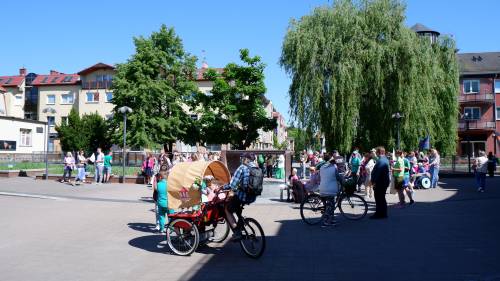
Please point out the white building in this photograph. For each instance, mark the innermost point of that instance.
(21, 135)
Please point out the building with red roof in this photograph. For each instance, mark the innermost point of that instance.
(12, 100)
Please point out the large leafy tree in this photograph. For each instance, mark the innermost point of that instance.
(355, 63)
(87, 132)
(233, 112)
(155, 82)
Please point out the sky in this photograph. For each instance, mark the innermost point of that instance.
(69, 36)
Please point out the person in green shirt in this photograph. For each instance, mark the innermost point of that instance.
(107, 166)
(406, 181)
(262, 163)
(398, 171)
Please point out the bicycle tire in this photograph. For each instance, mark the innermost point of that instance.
(312, 209)
(250, 234)
(181, 246)
(352, 207)
(221, 225)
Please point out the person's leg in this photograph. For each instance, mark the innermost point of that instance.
(157, 216)
(483, 181)
(401, 196)
(162, 212)
(478, 180)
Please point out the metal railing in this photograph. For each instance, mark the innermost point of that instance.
(476, 98)
(88, 85)
(476, 124)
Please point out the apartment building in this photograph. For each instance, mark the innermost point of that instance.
(479, 103)
(12, 99)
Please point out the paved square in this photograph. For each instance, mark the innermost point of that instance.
(104, 232)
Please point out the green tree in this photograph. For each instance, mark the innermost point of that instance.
(88, 133)
(155, 82)
(303, 140)
(355, 63)
(71, 135)
(233, 112)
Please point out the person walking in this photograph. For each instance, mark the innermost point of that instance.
(80, 167)
(99, 167)
(355, 163)
(398, 171)
(406, 180)
(147, 168)
(434, 163)
(269, 166)
(69, 165)
(280, 173)
(380, 179)
(162, 201)
(480, 167)
(303, 161)
(164, 161)
(108, 158)
(492, 164)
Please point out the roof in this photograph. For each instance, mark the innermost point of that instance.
(56, 79)
(201, 71)
(420, 28)
(479, 63)
(95, 67)
(11, 81)
(15, 119)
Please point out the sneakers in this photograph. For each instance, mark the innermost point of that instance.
(157, 228)
(481, 190)
(329, 223)
(400, 205)
(412, 202)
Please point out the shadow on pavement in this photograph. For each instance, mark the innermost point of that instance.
(144, 227)
(151, 243)
(456, 238)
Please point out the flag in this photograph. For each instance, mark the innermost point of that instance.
(425, 143)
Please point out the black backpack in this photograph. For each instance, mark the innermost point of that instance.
(255, 181)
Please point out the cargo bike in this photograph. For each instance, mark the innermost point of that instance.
(193, 223)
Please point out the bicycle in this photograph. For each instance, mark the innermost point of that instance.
(351, 206)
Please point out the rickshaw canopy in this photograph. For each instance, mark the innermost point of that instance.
(181, 193)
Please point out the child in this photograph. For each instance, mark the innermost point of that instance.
(207, 189)
(107, 166)
(161, 188)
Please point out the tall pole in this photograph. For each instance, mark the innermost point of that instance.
(468, 142)
(399, 134)
(47, 150)
(495, 144)
(124, 143)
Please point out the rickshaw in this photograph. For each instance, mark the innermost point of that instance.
(193, 223)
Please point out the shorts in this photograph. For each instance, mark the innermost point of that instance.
(149, 172)
(406, 181)
(107, 170)
(399, 183)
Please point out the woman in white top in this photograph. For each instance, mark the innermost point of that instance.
(69, 164)
(280, 173)
(370, 163)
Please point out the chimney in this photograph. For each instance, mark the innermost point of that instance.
(22, 71)
(53, 72)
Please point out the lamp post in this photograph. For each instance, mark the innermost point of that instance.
(48, 110)
(124, 110)
(494, 143)
(466, 117)
(398, 116)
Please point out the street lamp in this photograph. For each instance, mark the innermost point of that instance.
(466, 117)
(495, 143)
(47, 110)
(124, 110)
(398, 116)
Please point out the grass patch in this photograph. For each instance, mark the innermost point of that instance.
(59, 168)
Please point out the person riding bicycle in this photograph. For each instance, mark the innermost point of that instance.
(239, 185)
(329, 187)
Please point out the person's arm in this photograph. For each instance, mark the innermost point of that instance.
(375, 173)
(235, 180)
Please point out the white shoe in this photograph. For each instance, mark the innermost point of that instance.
(157, 228)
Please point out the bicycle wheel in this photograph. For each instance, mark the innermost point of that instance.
(353, 207)
(312, 209)
(253, 242)
(182, 237)
(221, 231)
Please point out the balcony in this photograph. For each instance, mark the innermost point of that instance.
(477, 98)
(476, 125)
(91, 85)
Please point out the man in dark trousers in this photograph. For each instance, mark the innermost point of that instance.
(380, 180)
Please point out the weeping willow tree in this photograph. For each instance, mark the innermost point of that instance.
(355, 63)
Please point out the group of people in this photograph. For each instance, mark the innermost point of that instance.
(484, 165)
(102, 167)
(209, 188)
(375, 171)
(269, 163)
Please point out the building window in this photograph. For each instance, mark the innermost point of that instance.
(497, 86)
(19, 100)
(498, 112)
(109, 97)
(25, 137)
(474, 113)
(51, 99)
(92, 96)
(51, 120)
(64, 120)
(471, 86)
(67, 99)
